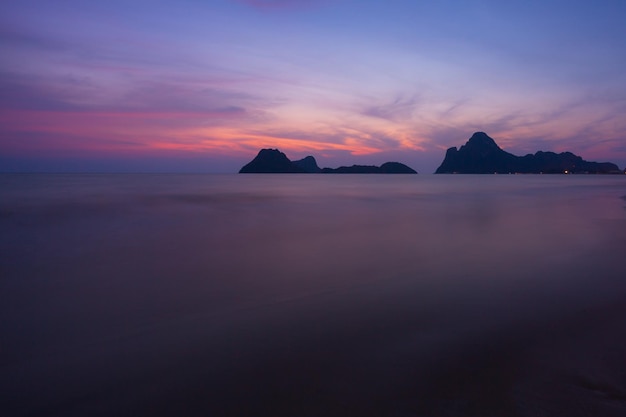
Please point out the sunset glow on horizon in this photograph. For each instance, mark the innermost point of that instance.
(149, 87)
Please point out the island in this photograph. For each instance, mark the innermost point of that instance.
(481, 155)
(273, 161)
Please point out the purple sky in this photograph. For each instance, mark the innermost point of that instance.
(201, 86)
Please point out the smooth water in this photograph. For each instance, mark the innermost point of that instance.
(312, 295)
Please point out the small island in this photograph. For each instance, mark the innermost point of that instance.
(481, 155)
(273, 161)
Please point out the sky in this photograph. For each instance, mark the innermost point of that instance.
(203, 85)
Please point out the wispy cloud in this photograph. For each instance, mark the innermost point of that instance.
(399, 109)
(283, 4)
(36, 93)
(71, 94)
(13, 37)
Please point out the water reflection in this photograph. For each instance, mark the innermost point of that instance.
(312, 295)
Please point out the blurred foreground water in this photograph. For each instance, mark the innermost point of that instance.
(312, 295)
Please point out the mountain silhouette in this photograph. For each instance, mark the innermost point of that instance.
(386, 168)
(482, 155)
(275, 162)
(271, 161)
(308, 164)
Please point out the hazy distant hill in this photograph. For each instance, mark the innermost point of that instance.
(481, 155)
(274, 161)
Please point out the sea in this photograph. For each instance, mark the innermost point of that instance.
(312, 295)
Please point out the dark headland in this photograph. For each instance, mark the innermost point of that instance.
(481, 155)
(273, 161)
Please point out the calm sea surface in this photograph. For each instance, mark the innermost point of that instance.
(312, 295)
